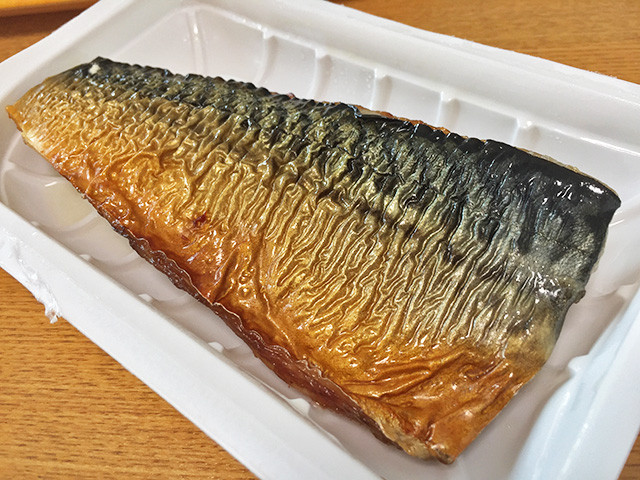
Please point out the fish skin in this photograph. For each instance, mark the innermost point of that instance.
(409, 277)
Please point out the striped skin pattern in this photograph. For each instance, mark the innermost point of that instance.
(404, 275)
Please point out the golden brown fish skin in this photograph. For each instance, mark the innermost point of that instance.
(406, 276)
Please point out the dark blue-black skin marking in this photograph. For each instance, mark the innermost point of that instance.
(569, 211)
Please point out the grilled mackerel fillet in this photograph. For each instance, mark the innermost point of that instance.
(406, 276)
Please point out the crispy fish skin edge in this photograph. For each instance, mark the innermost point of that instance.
(296, 373)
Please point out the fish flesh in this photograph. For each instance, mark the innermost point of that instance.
(408, 277)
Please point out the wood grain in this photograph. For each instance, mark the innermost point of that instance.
(22, 7)
(594, 35)
(67, 410)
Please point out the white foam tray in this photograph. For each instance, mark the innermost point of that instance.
(577, 419)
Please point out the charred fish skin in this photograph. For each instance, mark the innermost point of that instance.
(409, 277)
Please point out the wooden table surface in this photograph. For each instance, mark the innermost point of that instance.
(67, 410)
